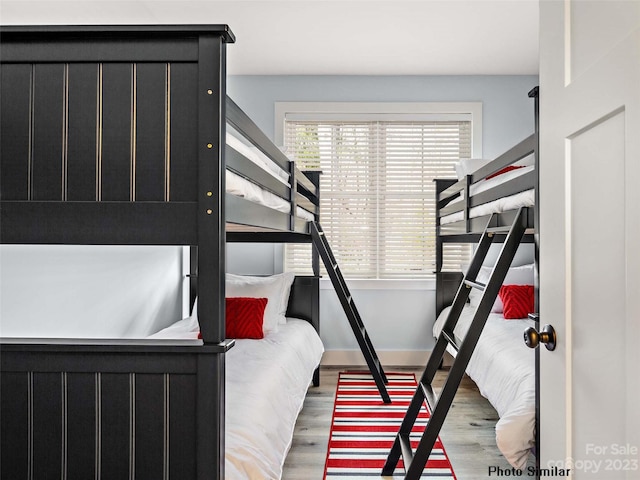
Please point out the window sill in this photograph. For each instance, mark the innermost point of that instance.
(386, 284)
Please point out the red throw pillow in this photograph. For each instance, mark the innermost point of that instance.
(244, 317)
(504, 170)
(517, 300)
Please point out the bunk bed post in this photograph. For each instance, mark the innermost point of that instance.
(314, 176)
(210, 403)
(534, 93)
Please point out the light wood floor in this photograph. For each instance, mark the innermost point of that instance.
(468, 433)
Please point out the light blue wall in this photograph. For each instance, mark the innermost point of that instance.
(397, 320)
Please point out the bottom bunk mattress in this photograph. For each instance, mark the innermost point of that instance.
(503, 367)
(266, 384)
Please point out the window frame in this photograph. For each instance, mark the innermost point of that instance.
(382, 111)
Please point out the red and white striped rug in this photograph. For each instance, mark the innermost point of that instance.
(363, 429)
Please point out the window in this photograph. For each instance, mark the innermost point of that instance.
(377, 189)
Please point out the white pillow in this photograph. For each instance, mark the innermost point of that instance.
(275, 288)
(522, 275)
(466, 166)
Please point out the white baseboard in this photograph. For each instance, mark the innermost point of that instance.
(392, 358)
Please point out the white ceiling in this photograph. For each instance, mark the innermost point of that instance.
(327, 37)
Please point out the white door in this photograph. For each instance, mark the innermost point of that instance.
(590, 237)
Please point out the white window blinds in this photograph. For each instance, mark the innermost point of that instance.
(377, 192)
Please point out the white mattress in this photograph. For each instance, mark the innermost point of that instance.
(267, 381)
(241, 187)
(503, 367)
(522, 199)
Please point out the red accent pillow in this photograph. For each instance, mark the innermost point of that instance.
(504, 170)
(517, 300)
(244, 317)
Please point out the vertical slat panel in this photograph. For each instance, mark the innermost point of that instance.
(82, 136)
(184, 132)
(115, 426)
(14, 425)
(151, 114)
(15, 124)
(149, 427)
(81, 426)
(116, 132)
(47, 138)
(182, 435)
(47, 426)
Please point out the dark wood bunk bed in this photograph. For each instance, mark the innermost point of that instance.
(516, 433)
(116, 136)
(469, 212)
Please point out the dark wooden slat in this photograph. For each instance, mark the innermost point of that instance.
(182, 442)
(268, 237)
(47, 425)
(478, 224)
(101, 49)
(518, 184)
(184, 132)
(121, 359)
(151, 131)
(116, 132)
(81, 425)
(243, 124)
(149, 426)
(15, 84)
(302, 201)
(82, 133)
(244, 167)
(304, 181)
(14, 424)
(244, 212)
(112, 43)
(48, 132)
(104, 223)
(515, 153)
(115, 421)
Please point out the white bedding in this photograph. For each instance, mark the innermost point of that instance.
(241, 187)
(503, 368)
(267, 382)
(522, 199)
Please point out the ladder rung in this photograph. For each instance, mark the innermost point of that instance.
(478, 285)
(405, 448)
(449, 337)
(429, 395)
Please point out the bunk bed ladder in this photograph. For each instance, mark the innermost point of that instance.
(414, 462)
(357, 325)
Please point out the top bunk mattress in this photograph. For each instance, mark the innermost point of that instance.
(239, 186)
(511, 202)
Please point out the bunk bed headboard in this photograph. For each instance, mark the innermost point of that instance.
(104, 125)
(115, 135)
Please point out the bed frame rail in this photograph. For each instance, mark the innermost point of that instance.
(98, 412)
